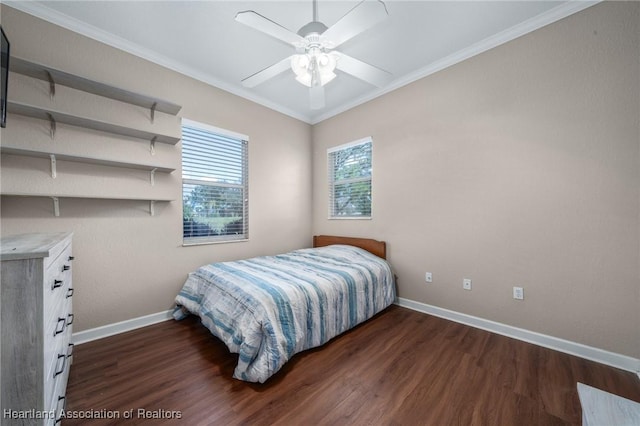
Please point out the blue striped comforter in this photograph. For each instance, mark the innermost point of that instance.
(267, 309)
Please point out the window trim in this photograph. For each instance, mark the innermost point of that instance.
(214, 129)
(331, 182)
(199, 241)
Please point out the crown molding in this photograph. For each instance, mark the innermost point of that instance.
(530, 25)
(53, 16)
(559, 12)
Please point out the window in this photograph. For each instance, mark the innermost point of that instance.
(350, 180)
(214, 184)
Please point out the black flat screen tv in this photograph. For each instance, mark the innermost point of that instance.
(4, 78)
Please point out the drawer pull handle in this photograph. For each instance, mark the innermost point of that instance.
(70, 350)
(56, 284)
(60, 321)
(64, 363)
(69, 292)
(71, 258)
(69, 319)
(61, 408)
(66, 267)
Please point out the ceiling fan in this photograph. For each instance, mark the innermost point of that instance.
(315, 59)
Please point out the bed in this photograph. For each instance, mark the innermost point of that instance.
(266, 309)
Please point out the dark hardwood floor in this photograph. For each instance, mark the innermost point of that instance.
(400, 368)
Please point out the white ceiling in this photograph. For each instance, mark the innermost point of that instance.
(201, 39)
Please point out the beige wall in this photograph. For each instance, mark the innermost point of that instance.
(518, 167)
(130, 264)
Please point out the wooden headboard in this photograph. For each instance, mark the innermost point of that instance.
(379, 248)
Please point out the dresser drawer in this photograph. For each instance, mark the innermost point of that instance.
(55, 355)
(57, 282)
(57, 403)
(57, 308)
(56, 251)
(60, 305)
(57, 372)
(51, 382)
(58, 400)
(56, 339)
(57, 263)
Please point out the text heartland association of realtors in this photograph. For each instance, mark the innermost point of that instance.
(139, 413)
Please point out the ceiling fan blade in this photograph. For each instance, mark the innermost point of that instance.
(362, 70)
(267, 26)
(363, 16)
(316, 97)
(267, 73)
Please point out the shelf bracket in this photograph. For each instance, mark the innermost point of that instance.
(153, 111)
(52, 126)
(152, 145)
(152, 176)
(53, 166)
(151, 208)
(52, 85)
(56, 206)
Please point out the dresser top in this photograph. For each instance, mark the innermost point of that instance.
(29, 246)
(604, 408)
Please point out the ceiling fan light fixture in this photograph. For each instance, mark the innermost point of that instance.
(307, 80)
(303, 65)
(315, 62)
(326, 61)
(300, 64)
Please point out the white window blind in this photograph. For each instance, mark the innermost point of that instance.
(214, 184)
(350, 180)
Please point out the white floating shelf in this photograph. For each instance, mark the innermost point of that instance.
(55, 76)
(60, 117)
(56, 199)
(88, 160)
(89, 197)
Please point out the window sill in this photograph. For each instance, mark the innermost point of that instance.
(350, 218)
(204, 243)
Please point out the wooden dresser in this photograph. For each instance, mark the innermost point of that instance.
(36, 310)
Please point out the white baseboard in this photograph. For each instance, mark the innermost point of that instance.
(120, 327)
(583, 351)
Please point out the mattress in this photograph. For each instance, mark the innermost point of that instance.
(266, 309)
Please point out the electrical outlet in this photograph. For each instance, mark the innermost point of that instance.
(428, 277)
(466, 284)
(518, 293)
